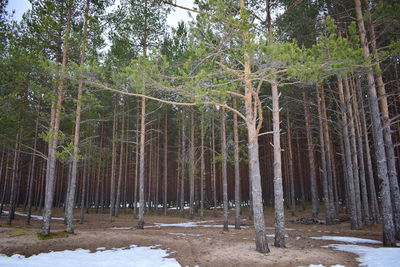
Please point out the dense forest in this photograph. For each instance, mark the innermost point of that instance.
(292, 105)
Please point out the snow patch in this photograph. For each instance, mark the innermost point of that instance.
(183, 234)
(371, 257)
(347, 239)
(33, 216)
(320, 265)
(133, 256)
(194, 224)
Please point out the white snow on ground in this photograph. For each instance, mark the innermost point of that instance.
(347, 239)
(194, 224)
(132, 256)
(183, 234)
(371, 257)
(273, 228)
(320, 265)
(273, 235)
(33, 216)
(177, 208)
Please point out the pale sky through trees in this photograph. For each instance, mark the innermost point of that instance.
(176, 15)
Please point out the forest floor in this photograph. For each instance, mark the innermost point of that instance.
(203, 246)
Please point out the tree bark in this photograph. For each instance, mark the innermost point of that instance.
(389, 231)
(53, 135)
(291, 171)
(192, 167)
(237, 166)
(311, 161)
(141, 164)
(224, 169)
(278, 189)
(165, 162)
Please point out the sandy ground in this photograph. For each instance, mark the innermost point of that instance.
(190, 246)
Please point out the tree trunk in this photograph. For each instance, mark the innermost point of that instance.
(32, 174)
(183, 165)
(278, 190)
(291, 171)
(69, 205)
(141, 164)
(191, 166)
(214, 172)
(224, 169)
(349, 164)
(389, 231)
(237, 166)
(121, 161)
(311, 161)
(165, 162)
(113, 161)
(53, 134)
(202, 166)
(387, 136)
(14, 180)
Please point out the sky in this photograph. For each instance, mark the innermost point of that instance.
(21, 6)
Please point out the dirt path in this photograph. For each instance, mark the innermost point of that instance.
(204, 246)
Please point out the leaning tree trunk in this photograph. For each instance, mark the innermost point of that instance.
(54, 131)
(389, 231)
(32, 174)
(311, 161)
(141, 164)
(224, 169)
(278, 189)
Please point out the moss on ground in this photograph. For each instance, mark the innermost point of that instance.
(59, 234)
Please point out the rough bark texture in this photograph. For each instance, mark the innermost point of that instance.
(141, 164)
(278, 188)
(224, 169)
(53, 136)
(351, 203)
(377, 133)
(311, 161)
(237, 167)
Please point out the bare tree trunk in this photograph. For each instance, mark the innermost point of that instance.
(311, 161)
(14, 180)
(121, 161)
(349, 164)
(214, 174)
(237, 166)
(202, 166)
(278, 190)
(389, 231)
(113, 162)
(387, 136)
(136, 166)
(165, 162)
(224, 169)
(324, 161)
(191, 167)
(299, 169)
(178, 173)
(32, 174)
(53, 137)
(141, 164)
(70, 200)
(183, 165)
(291, 171)
(360, 154)
(371, 180)
(353, 144)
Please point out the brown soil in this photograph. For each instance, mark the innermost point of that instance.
(203, 246)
